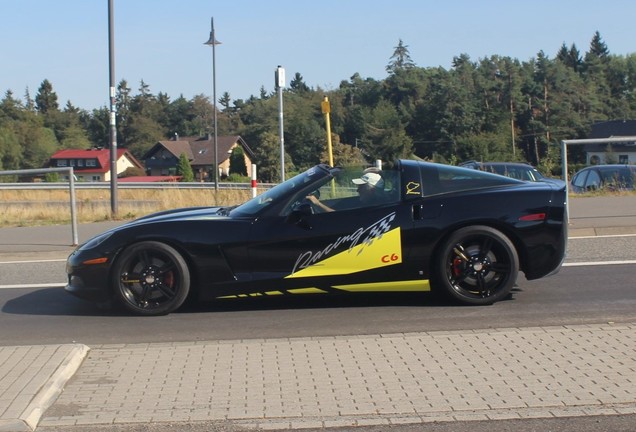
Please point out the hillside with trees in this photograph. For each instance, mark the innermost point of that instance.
(493, 108)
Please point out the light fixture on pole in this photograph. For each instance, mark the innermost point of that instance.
(213, 42)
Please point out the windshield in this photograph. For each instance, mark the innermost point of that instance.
(519, 172)
(285, 189)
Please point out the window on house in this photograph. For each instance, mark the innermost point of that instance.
(62, 162)
(623, 159)
(91, 162)
(80, 162)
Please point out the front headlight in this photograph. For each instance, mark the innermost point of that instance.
(95, 241)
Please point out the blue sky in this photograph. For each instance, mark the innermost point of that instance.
(161, 41)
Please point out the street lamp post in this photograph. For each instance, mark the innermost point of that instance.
(279, 77)
(112, 121)
(213, 42)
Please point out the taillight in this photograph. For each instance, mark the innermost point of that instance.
(533, 217)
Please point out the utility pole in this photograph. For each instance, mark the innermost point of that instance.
(113, 112)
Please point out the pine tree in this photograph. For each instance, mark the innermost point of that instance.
(46, 98)
(401, 59)
(598, 48)
(298, 85)
(184, 169)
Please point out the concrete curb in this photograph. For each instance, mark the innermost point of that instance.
(48, 393)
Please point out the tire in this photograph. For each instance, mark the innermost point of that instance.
(151, 278)
(477, 265)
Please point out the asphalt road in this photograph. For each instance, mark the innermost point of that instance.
(582, 292)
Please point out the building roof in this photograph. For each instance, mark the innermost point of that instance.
(613, 128)
(101, 155)
(200, 150)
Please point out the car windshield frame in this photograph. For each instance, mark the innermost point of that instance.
(517, 171)
(282, 191)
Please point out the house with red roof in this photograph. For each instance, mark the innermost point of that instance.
(93, 165)
(162, 159)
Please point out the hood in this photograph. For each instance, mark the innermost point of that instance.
(190, 213)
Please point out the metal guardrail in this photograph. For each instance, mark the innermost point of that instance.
(129, 185)
(70, 185)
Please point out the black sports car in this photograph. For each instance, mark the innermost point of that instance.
(415, 227)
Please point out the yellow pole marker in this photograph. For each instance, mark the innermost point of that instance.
(326, 109)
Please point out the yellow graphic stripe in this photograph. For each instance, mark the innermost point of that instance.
(381, 251)
(419, 285)
(306, 291)
(397, 286)
(276, 293)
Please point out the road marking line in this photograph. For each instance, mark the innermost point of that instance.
(27, 286)
(32, 261)
(597, 263)
(602, 236)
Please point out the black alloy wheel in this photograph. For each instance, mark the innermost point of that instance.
(151, 278)
(478, 265)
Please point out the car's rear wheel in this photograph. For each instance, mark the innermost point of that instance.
(151, 278)
(478, 265)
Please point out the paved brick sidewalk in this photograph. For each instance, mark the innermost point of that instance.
(360, 380)
(31, 378)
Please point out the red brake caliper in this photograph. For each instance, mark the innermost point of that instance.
(457, 266)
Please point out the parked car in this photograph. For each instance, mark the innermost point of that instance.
(608, 177)
(517, 170)
(431, 227)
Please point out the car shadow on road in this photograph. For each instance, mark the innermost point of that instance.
(370, 300)
(52, 301)
(56, 302)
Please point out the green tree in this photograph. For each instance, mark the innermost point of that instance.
(386, 138)
(10, 108)
(123, 101)
(184, 169)
(29, 103)
(97, 127)
(38, 144)
(401, 59)
(10, 149)
(344, 154)
(598, 48)
(267, 154)
(46, 98)
(74, 137)
(297, 84)
(570, 57)
(405, 88)
(237, 161)
(225, 100)
(143, 133)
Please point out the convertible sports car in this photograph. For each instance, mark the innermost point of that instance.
(460, 231)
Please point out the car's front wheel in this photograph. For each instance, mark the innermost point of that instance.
(478, 265)
(151, 278)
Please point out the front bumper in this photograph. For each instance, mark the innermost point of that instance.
(88, 282)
